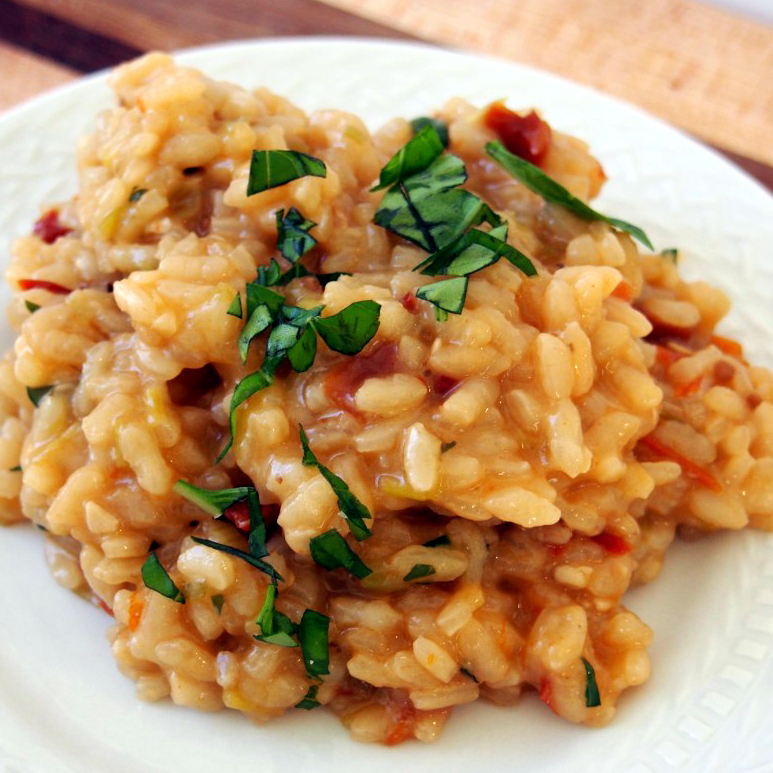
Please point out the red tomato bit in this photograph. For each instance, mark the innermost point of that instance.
(402, 728)
(528, 136)
(444, 384)
(48, 228)
(345, 379)
(612, 543)
(239, 515)
(42, 284)
(690, 468)
(546, 694)
(409, 302)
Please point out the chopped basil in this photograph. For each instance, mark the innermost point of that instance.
(419, 571)
(259, 320)
(235, 307)
(309, 700)
(217, 602)
(217, 501)
(137, 194)
(414, 157)
(417, 124)
(351, 507)
(15, 469)
(293, 237)
(257, 294)
(270, 168)
(302, 353)
(272, 276)
(250, 559)
(313, 637)
(349, 330)
(157, 578)
(331, 551)
(672, 254)
(36, 394)
(537, 181)
(473, 251)
(427, 209)
(447, 446)
(592, 695)
(268, 276)
(245, 389)
(468, 674)
(31, 307)
(438, 542)
(275, 627)
(446, 295)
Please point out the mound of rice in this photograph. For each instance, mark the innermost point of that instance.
(549, 440)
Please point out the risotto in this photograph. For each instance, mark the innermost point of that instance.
(384, 422)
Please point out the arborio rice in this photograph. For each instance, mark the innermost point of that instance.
(519, 465)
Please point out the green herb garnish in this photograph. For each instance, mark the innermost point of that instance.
(157, 578)
(447, 295)
(592, 695)
(447, 446)
(250, 559)
(271, 168)
(137, 194)
(293, 237)
(36, 394)
(349, 330)
(672, 254)
(31, 307)
(235, 307)
(217, 602)
(537, 181)
(245, 389)
(15, 469)
(313, 637)
(353, 510)
(309, 700)
(438, 542)
(217, 501)
(275, 627)
(419, 571)
(415, 156)
(417, 124)
(259, 320)
(474, 251)
(331, 551)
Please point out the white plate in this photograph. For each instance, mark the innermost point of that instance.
(63, 705)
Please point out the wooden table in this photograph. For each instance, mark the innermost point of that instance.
(707, 71)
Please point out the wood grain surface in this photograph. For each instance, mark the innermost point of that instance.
(707, 71)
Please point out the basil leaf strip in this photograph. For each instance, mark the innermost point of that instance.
(235, 307)
(275, 627)
(303, 352)
(15, 469)
(592, 695)
(438, 542)
(293, 237)
(259, 320)
(31, 307)
(309, 701)
(217, 501)
(331, 551)
(417, 124)
(137, 194)
(349, 330)
(217, 602)
(36, 394)
(415, 156)
(474, 251)
(250, 559)
(419, 571)
(313, 637)
(245, 389)
(354, 511)
(257, 294)
(270, 168)
(672, 253)
(447, 294)
(157, 578)
(537, 181)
